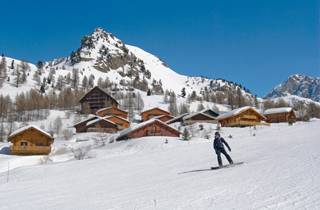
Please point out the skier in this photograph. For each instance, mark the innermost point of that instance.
(219, 148)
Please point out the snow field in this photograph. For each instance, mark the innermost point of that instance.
(280, 172)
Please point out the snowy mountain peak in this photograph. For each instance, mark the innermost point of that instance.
(299, 85)
(101, 56)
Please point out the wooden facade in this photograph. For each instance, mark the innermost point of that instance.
(96, 99)
(121, 122)
(199, 117)
(101, 125)
(245, 116)
(30, 140)
(113, 110)
(278, 115)
(154, 112)
(153, 127)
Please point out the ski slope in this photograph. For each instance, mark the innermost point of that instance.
(280, 172)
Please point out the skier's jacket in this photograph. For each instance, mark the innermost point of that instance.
(218, 144)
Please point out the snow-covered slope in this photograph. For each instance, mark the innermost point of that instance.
(299, 85)
(102, 55)
(280, 172)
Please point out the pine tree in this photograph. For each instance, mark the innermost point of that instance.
(183, 92)
(186, 135)
(91, 81)
(200, 107)
(173, 109)
(85, 82)
(3, 70)
(139, 103)
(75, 79)
(183, 108)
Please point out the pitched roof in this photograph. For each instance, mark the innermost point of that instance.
(175, 119)
(109, 116)
(278, 110)
(99, 119)
(91, 117)
(238, 111)
(96, 87)
(22, 129)
(156, 108)
(196, 113)
(208, 109)
(110, 107)
(141, 125)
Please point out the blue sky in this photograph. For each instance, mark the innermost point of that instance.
(257, 43)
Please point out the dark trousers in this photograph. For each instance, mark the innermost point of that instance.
(223, 151)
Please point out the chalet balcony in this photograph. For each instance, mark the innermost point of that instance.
(30, 150)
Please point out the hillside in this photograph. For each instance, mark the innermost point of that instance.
(103, 58)
(280, 172)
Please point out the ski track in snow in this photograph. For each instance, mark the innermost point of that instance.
(280, 172)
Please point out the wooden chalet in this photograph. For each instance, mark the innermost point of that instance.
(198, 117)
(113, 110)
(154, 112)
(241, 117)
(30, 140)
(96, 99)
(277, 115)
(152, 127)
(121, 122)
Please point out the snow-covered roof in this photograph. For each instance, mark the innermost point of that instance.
(97, 120)
(158, 117)
(155, 108)
(141, 125)
(237, 112)
(196, 113)
(176, 118)
(91, 117)
(22, 129)
(110, 107)
(278, 110)
(208, 109)
(109, 116)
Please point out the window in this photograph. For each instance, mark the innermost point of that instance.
(23, 143)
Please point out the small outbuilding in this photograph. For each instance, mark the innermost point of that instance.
(241, 117)
(154, 112)
(108, 111)
(152, 127)
(282, 114)
(30, 140)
